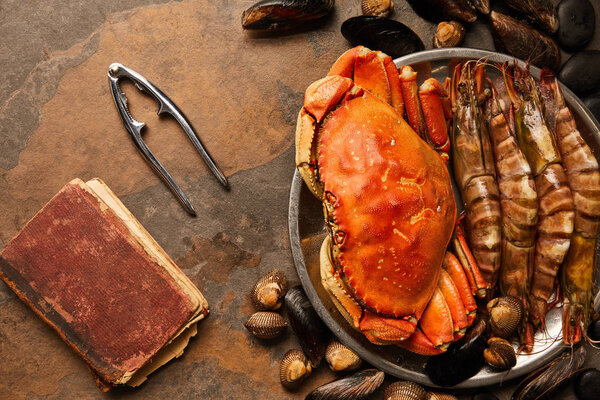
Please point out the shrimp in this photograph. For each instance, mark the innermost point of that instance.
(475, 173)
(556, 208)
(584, 180)
(519, 204)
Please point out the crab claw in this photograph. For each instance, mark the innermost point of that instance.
(373, 71)
(382, 330)
(431, 94)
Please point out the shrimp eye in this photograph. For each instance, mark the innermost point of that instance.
(572, 321)
(462, 87)
(517, 85)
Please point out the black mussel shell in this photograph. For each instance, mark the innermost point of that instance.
(545, 381)
(580, 72)
(576, 27)
(354, 387)
(444, 10)
(587, 384)
(275, 15)
(594, 328)
(389, 36)
(462, 360)
(312, 333)
(539, 12)
(522, 41)
(484, 396)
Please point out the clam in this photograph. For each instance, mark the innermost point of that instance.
(294, 368)
(358, 386)
(341, 358)
(483, 6)
(389, 36)
(266, 324)
(500, 354)
(506, 314)
(404, 390)
(522, 41)
(312, 333)
(274, 15)
(462, 360)
(268, 292)
(449, 34)
(587, 384)
(377, 8)
(551, 377)
(440, 396)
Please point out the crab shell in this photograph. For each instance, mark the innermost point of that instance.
(388, 204)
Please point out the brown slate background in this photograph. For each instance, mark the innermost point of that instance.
(241, 93)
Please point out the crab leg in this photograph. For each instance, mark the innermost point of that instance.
(584, 180)
(431, 93)
(456, 272)
(455, 304)
(414, 113)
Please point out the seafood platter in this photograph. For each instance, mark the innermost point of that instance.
(474, 226)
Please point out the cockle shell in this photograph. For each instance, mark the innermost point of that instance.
(377, 8)
(358, 386)
(449, 34)
(268, 292)
(341, 358)
(266, 324)
(404, 390)
(440, 396)
(500, 354)
(506, 314)
(294, 368)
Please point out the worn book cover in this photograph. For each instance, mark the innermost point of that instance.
(89, 269)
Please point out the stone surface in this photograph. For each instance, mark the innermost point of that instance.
(241, 92)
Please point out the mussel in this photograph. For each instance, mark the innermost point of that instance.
(484, 396)
(294, 368)
(594, 328)
(274, 15)
(462, 360)
(449, 34)
(540, 12)
(520, 40)
(377, 8)
(444, 10)
(580, 72)
(404, 390)
(312, 333)
(268, 292)
(389, 36)
(576, 28)
(551, 377)
(506, 314)
(354, 387)
(500, 354)
(341, 358)
(266, 324)
(587, 384)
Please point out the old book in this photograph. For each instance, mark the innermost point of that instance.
(89, 269)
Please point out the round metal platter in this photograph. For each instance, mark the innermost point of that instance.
(307, 231)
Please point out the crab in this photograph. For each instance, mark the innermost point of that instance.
(389, 209)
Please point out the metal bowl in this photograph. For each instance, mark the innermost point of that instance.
(307, 231)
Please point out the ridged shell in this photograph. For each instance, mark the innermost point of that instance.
(500, 354)
(268, 292)
(404, 390)
(440, 396)
(377, 8)
(506, 314)
(358, 386)
(266, 324)
(294, 368)
(449, 34)
(341, 358)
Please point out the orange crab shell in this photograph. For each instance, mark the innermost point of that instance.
(392, 199)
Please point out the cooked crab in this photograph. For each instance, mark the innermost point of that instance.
(388, 205)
